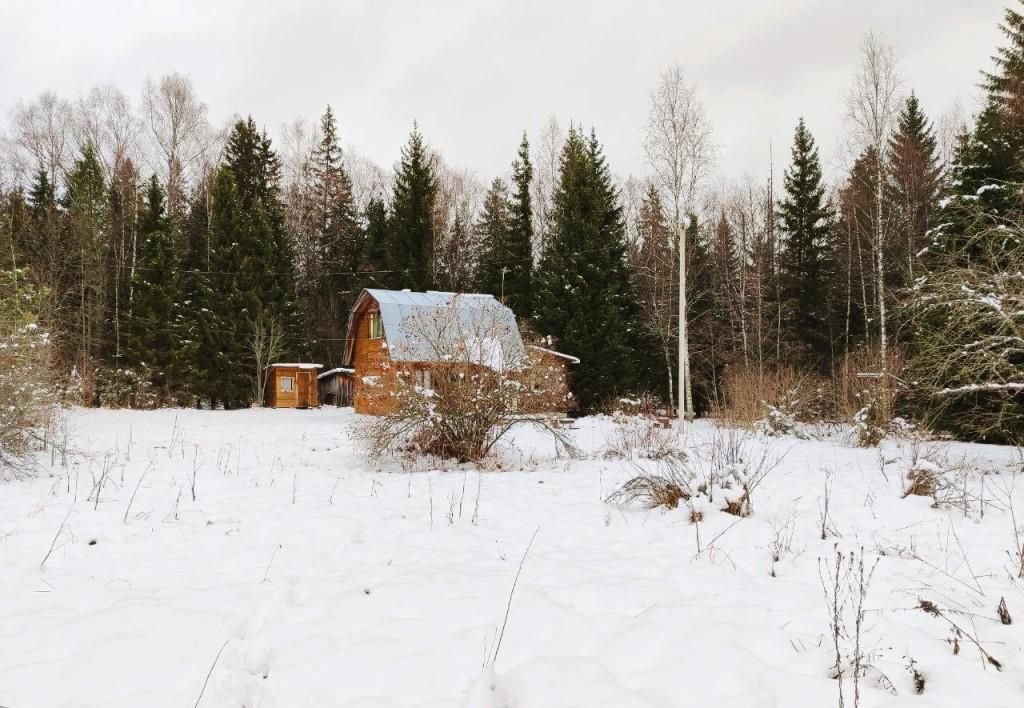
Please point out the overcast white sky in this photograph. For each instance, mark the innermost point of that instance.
(475, 73)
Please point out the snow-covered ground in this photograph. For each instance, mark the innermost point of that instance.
(304, 575)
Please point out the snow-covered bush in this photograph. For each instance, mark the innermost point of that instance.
(948, 481)
(126, 388)
(723, 474)
(467, 395)
(642, 436)
(779, 419)
(27, 393)
(869, 424)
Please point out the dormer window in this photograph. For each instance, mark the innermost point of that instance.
(376, 326)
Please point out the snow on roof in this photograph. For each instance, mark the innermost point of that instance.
(339, 370)
(432, 325)
(296, 366)
(569, 357)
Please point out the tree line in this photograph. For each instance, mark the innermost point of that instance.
(167, 249)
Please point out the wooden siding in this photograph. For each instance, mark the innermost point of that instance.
(374, 382)
(304, 392)
(550, 373)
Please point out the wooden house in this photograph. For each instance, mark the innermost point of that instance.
(336, 387)
(292, 386)
(394, 333)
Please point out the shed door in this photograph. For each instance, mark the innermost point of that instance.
(304, 389)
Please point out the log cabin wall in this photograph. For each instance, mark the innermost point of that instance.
(374, 383)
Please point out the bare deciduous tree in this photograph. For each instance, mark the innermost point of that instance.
(177, 124)
(105, 119)
(41, 133)
(266, 343)
(680, 153)
(546, 152)
(872, 108)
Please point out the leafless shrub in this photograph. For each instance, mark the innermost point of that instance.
(729, 470)
(642, 436)
(266, 344)
(733, 468)
(781, 544)
(468, 393)
(772, 400)
(825, 522)
(845, 582)
(952, 482)
(1017, 554)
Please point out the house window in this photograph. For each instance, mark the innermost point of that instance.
(376, 326)
(286, 384)
(423, 378)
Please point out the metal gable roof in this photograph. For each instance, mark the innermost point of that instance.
(431, 326)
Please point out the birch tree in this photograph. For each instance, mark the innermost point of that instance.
(872, 107)
(41, 134)
(680, 153)
(177, 124)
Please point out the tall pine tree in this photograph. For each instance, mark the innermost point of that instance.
(584, 298)
(493, 228)
(507, 263)
(914, 183)
(152, 336)
(333, 245)
(410, 248)
(807, 216)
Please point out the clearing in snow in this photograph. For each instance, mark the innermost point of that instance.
(256, 558)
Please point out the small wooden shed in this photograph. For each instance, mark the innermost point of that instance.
(336, 387)
(292, 386)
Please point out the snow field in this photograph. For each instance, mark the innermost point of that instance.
(326, 580)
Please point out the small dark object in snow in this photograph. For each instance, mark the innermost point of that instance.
(1004, 613)
(92, 541)
(366, 591)
(540, 481)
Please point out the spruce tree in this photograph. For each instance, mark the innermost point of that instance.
(87, 210)
(224, 309)
(196, 325)
(806, 216)
(519, 279)
(152, 335)
(914, 183)
(584, 297)
(333, 246)
(375, 255)
(988, 175)
(252, 262)
(493, 229)
(410, 248)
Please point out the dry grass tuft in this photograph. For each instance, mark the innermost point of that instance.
(666, 487)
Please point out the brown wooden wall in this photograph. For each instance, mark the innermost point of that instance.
(375, 382)
(550, 374)
(276, 398)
